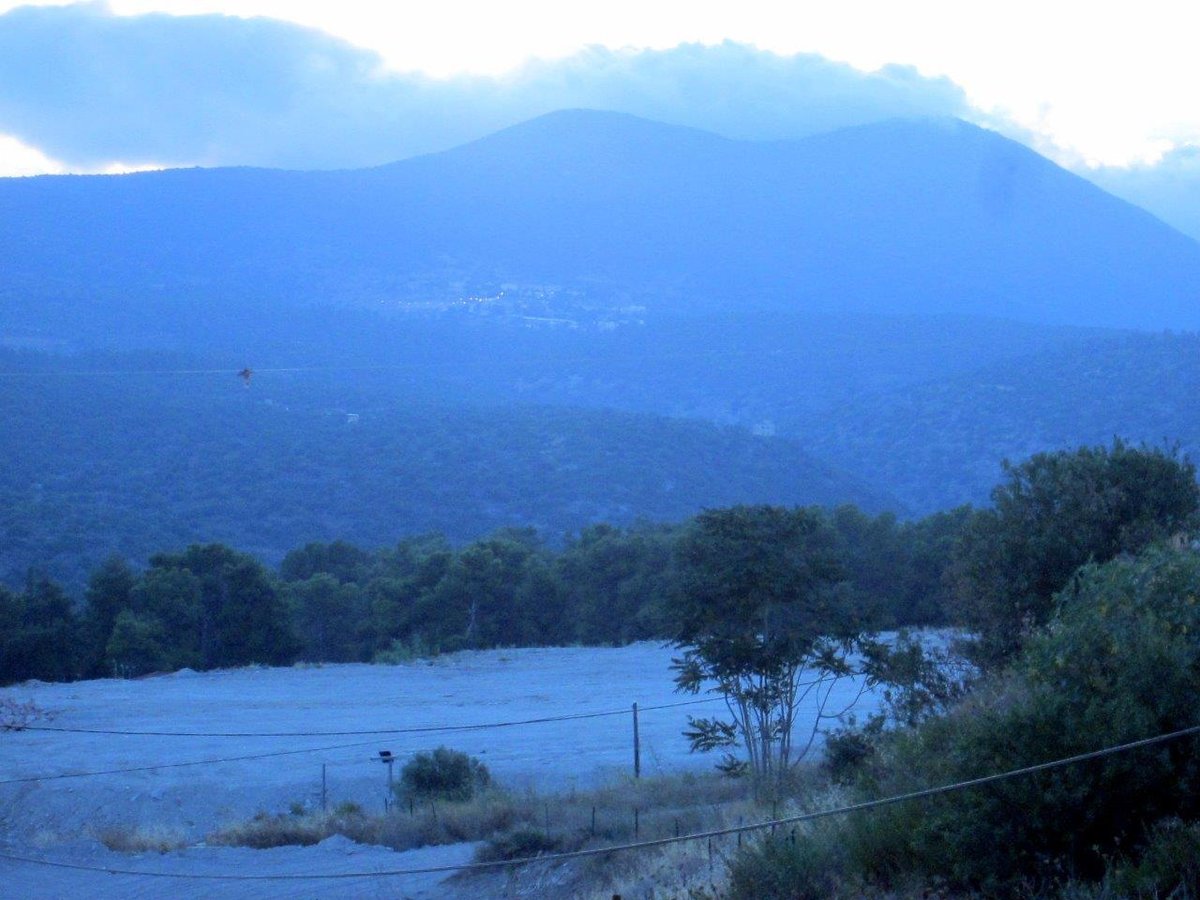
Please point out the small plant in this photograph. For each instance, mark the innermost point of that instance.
(17, 716)
(848, 750)
(444, 774)
(140, 839)
(405, 651)
(282, 830)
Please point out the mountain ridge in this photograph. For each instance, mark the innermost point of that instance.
(907, 216)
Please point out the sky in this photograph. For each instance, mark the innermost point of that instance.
(1108, 89)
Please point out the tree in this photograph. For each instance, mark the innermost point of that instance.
(241, 618)
(760, 618)
(38, 633)
(329, 618)
(136, 646)
(616, 579)
(1119, 661)
(107, 594)
(168, 612)
(1055, 512)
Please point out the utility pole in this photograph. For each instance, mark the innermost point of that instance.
(637, 746)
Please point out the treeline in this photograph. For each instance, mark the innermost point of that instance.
(212, 606)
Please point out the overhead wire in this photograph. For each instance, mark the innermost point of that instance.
(801, 818)
(417, 729)
(180, 765)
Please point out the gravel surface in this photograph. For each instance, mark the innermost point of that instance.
(55, 818)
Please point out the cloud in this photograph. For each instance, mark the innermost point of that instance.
(87, 87)
(1169, 188)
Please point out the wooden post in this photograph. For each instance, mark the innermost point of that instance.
(324, 790)
(387, 807)
(636, 823)
(593, 820)
(637, 746)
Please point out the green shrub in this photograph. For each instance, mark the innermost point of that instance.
(410, 649)
(444, 774)
(523, 844)
(1120, 662)
(847, 752)
(797, 866)
(1169, 866)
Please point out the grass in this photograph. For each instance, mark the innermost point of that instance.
(516, 825)
(140, 838)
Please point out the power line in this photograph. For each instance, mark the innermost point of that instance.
(422, 729)
(180, 765)
(640, 845)
(419, 729)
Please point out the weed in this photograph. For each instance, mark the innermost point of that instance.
(17, 716)
(139, 839)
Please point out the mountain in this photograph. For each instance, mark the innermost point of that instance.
(598, 213)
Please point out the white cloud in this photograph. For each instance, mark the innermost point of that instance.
(19, 159)
(88, 87)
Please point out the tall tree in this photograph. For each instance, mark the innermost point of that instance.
(1053, 513)
(760, 620)
(107, 594)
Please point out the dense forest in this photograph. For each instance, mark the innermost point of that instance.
(212, 606)
(130, 463)
(131, 453)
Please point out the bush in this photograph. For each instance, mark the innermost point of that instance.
(1120, 662)
(847, 752)
(808, 866)
(1169, 867)
(444, 774)
(523, 844)
(1054, 513)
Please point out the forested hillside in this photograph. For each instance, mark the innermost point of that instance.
(133, 463)
(887, 415)
(940, 443)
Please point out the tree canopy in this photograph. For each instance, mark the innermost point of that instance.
(1052, 514)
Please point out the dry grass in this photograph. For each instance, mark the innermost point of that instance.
(621, 812)
(140, 838)
(424, 824)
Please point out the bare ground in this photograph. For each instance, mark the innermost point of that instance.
(56, 818)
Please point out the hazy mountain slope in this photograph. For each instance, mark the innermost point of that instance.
(913, 217)
(139, 463)
(941, 443)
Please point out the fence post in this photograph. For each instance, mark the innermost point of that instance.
(386, 757)
(324, 790)
(637, 746)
